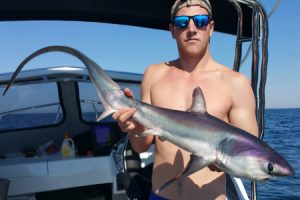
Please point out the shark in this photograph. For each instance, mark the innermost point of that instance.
(208, 139)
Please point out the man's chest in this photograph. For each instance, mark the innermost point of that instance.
(178, 95)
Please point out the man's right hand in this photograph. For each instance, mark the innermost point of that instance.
(124, 117)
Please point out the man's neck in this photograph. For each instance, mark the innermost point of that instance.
(191, 64)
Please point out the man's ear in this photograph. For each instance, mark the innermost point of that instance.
(171, 29)
(212, 27)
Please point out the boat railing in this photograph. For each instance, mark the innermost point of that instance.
(32, 108)
(93, 103)
(260, 33)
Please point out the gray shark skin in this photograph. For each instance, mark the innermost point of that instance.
(208, 139)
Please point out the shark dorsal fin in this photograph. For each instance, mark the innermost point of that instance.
(198, 104)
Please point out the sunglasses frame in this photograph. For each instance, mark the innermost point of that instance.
(189, 19)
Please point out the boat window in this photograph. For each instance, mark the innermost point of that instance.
(90, 105)
(28, 106)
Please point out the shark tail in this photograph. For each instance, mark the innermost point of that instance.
(90, 64)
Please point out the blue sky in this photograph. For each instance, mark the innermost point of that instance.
(132, 49)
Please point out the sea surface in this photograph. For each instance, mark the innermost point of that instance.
(282, 133)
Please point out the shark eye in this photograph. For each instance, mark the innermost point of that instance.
(270, 168)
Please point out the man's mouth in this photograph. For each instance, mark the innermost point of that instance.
(191, 39)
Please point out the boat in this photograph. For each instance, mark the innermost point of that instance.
(62, 102)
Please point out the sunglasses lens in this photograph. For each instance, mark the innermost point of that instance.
(181, 22)
(201, 20)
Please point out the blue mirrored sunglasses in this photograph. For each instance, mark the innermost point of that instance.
(182, 22)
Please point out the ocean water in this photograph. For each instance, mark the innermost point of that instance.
(282, 132)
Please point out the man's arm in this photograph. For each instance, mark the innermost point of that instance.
(125, 121)
(243, 113)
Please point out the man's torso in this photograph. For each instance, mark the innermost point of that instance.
(173, 89)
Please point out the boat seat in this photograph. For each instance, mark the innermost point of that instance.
(4, 184)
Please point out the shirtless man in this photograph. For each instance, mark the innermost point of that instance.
(170, 85)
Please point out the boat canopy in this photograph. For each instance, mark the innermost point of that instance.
(144, 13)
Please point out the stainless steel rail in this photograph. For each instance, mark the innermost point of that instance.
(258, 15)
(239, 41)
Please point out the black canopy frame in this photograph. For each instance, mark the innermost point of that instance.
(144, 13)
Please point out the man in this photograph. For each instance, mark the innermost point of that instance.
(170, 85)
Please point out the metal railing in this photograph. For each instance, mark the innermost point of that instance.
(260, 34)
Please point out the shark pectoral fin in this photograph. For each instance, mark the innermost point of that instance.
(146, 133)
(195, 164)
(106, 113)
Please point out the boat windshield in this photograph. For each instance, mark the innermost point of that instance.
(28, 106)
(90, 106)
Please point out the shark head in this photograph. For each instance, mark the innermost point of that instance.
(257, 161)
(244, 155)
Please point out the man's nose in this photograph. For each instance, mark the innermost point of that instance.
(191, 25)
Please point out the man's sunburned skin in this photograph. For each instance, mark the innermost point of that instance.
(166, 87)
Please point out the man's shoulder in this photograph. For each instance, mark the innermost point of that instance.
(233, 77)
(158, 70)
(238, 84)
(154, 73)
(159, 67)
